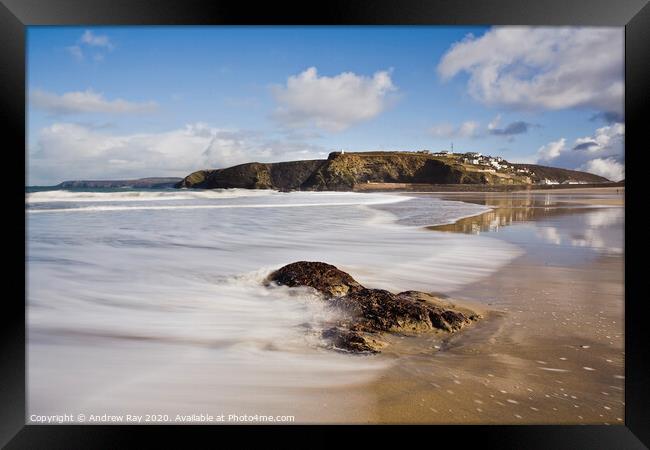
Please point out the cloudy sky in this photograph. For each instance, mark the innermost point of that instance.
(126, 102)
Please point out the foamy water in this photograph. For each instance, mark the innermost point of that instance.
(139, 291)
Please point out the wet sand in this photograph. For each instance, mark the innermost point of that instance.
(604, 196)
(584, 192)
(551, 348)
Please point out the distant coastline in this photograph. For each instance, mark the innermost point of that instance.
(150, 182)
(371, 171)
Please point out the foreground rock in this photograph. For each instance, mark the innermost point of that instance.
(325, 278)
(369, 312)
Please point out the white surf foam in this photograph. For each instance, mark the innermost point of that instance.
(143, 196)
(175, 207)
(116, 295)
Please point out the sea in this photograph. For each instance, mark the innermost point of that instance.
(154, 301)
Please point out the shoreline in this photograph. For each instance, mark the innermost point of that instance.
(499, 371)
(432, 378)
(415, 188)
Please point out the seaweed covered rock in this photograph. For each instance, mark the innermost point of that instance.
(325, 278)
(345, 339)
(380, 310)
(369, 312)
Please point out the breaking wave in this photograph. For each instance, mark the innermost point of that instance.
(164, 288)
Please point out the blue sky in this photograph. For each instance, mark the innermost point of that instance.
(123, 102)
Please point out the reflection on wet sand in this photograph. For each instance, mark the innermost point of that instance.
(551, 349)
(509, 209)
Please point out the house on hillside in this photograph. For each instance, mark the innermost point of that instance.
(474, 161)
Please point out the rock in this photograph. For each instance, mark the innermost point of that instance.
(377, 309)
(285, 176)
(352, 340)
(325, 278)
(368, 312)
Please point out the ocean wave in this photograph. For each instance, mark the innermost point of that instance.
(143, 196)
(316, 200)
(140, 300)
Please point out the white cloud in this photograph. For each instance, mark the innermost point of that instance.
(76, 52)
(541, 68)
(603, 153)
(89, 40)
(604, 138)
(86, 102)
(331, 103)
(605, 167)
(93, 40)
(467, 129)
(551, 150)
(72, 151)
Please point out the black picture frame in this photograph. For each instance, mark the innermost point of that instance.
(634, 15)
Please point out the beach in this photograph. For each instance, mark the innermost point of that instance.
(551, 349)
(166, 313)
(328, 225)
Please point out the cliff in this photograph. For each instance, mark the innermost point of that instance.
(345, 171)
(284, 176)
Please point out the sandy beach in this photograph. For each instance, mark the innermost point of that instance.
(550, 349)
